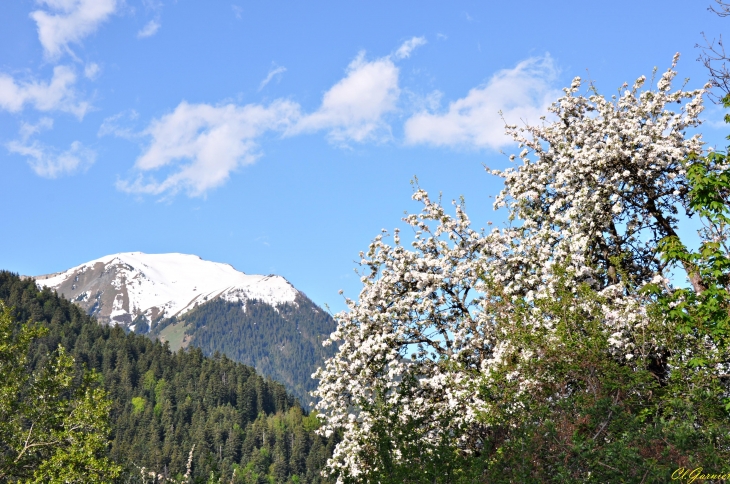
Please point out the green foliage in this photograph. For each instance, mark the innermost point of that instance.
(704, 313)
(149, 381)
(588, 416)
(53, 421)
(164, 403)
(138, 404)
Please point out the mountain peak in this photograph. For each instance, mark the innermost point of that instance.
(118, 288)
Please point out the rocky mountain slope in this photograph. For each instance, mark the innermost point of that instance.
(120, 288)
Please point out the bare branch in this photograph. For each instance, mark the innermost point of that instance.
(722, 9)
(715, 59)
(713, 55)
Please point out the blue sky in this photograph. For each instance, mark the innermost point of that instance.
(280, 137)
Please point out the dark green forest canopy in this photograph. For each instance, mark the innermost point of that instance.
(282, 342)
(165, 403)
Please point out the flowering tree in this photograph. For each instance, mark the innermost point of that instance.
(411, 346)
(603, 181)
(469, 341)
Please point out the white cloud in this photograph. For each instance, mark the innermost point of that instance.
(27, 130)
(201, 145)
(415, 102)
(119, 125)
(237, 11)
(56, 95)
(404, 51)
(154, 5)
(521, 93)
(272, 73)
(197, 146)
(48, 163)
(91, 70)
(353, 109)
(149, 29)
(69, 21)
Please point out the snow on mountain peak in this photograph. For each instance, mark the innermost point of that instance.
(122, 286)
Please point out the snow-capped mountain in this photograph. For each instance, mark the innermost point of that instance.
(261, 321)
(119, 288)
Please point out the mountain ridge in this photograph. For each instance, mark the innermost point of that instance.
(119, 288)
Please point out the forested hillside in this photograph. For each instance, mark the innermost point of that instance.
(282, 342)
(164, 404)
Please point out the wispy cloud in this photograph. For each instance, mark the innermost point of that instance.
(521, 93)
(119, 125)
(56, 95)
(237, 11)
(153, 8)
(50, 163)
(153, 5)
(417, 102)
(91, 70)
(27, 129)
(69, 21)
(353, 109)
(199, 145)
(276, 71)
(149, 29)
(404, 51)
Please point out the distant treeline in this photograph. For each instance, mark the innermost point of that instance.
(165, 403)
